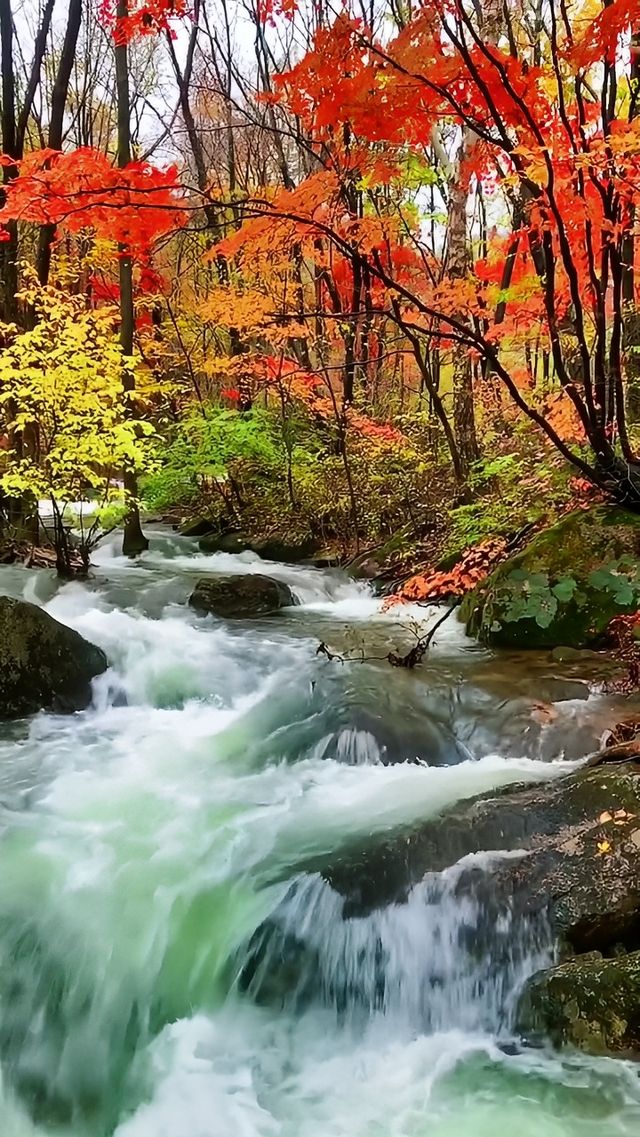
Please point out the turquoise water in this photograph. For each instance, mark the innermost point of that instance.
(155, 872)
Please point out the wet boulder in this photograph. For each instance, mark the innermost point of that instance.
(589, 1002)
(575, 842)
(526, 867)
(288, 550)
(233, 541)
(43, 664)
(240, 597)
(565, 587)
(198, 527)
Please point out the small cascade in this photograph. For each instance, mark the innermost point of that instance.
(351, 746)
(452, 957)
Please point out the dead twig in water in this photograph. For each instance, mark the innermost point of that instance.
(416, 654)
(411, 659)
(335, 656)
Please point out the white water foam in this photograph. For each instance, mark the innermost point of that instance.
(144, 845)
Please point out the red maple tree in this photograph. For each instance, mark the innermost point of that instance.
(556, 147)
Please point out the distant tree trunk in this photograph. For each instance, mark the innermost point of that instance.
(20, 513)
(430, 385)
(10, 147)
(464, 422)
(134, 540)
(56, 121)
(631, 327)
(491, 19)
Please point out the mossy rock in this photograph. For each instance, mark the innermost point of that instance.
(43, 664)
(565, 587)
(589, 1002)
(369, 564)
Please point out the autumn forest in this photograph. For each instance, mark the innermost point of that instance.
(343, 275)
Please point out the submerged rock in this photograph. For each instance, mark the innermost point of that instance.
(588, 1002)
(565, 587)
(240, 597)
(43, 664)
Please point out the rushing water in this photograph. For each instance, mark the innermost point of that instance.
(169, 965)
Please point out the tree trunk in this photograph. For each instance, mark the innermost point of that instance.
(21, 513)
(464, 423)
(134, 540)
(631, 325)
(56, 122)
(8, 248)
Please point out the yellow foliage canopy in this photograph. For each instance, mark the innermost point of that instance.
(63, 403)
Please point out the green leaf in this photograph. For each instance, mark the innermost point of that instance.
(564, 589)
(546, 612)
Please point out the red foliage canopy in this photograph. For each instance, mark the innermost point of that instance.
(145, 17)
(80, 190)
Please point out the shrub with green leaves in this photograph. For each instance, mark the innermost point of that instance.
(264, 471)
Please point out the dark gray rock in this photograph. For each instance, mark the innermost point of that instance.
(288, 550)
(43, 664)
(198, 527)
(275, 548)
(231, 542)
(240, 597)
(574, 876)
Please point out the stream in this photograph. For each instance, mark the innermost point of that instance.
(159, 860)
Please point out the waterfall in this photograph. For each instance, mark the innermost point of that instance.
(450, 957)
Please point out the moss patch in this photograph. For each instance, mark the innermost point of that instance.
(589, 1002)
(565, 587)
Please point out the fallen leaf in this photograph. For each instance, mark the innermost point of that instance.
(543, 713)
